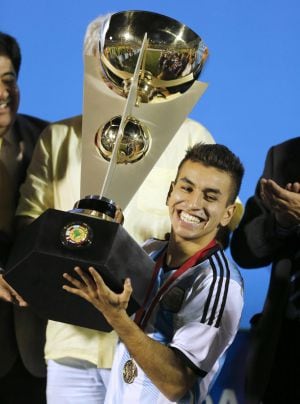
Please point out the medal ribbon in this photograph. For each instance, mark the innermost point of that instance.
(142, 316)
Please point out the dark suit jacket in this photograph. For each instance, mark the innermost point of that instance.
(255, 243)
(21, 331)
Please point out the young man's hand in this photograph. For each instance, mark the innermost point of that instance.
(92, 288)
(119, 217)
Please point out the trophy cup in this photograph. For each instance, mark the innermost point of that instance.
(138, 88)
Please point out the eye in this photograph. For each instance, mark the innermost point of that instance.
(9, 80)
(211, 197)
(186, 188)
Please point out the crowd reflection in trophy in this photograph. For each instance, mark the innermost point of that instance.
(169, 64)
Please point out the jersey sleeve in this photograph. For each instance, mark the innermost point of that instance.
(209, 317)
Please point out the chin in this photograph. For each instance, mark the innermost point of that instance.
(6, 122)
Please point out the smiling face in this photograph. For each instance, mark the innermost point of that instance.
(198, 203)
(9, 94)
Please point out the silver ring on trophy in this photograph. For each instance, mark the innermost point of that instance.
(96, 206)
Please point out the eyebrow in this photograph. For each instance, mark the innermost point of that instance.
(185, 179)
(207, 190)
(13, 74)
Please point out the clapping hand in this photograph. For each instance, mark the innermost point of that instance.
(283, 202)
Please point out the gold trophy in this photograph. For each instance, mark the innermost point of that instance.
(138, 89)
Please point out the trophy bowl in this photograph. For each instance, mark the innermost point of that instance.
(173, 59)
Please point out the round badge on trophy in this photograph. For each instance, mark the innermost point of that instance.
(76, 235)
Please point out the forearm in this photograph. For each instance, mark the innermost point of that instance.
(159, 362)
(36, 193)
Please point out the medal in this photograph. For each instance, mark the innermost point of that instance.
(130, 371)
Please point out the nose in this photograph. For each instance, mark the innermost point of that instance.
(195, 200)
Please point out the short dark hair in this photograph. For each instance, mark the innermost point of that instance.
(9, 47)
(220, 157)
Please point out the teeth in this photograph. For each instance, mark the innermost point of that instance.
(4, 104)
(186, 217)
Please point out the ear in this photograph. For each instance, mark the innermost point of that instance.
(228, 214)
(170, 191)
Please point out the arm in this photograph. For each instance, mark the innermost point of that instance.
(36, 194)
(159, 362)
(27, 200)
(271, 218)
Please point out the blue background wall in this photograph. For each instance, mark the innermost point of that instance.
(253, 72)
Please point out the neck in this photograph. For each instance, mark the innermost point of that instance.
(179, 251)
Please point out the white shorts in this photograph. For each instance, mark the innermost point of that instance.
(73, 381)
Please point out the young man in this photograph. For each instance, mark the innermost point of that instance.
(76, 353)
(22, 333)
(170, 352)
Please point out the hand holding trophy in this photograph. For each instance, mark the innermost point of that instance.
(138, 89)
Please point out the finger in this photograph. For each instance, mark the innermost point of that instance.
(263, 181)
(295, 187)
(19, 301)
(75, 282)
(77, 292)
(278, 197)
(9, 294)
(102, 288)
(263, 189)
(292, 187)
(264, 194)
(276, 190)
(5, 295)
(98, 279)
(119, 217)
(127, 291)
(87, 279)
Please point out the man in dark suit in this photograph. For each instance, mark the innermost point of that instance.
(269, 233)
(22, 334)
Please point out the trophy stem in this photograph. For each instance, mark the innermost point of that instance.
(130, 103)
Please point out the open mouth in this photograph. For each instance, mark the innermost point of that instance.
(188, 218)
(5, 104)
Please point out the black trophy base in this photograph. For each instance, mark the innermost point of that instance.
(58, 241)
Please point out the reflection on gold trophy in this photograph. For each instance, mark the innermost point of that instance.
(138, 90)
